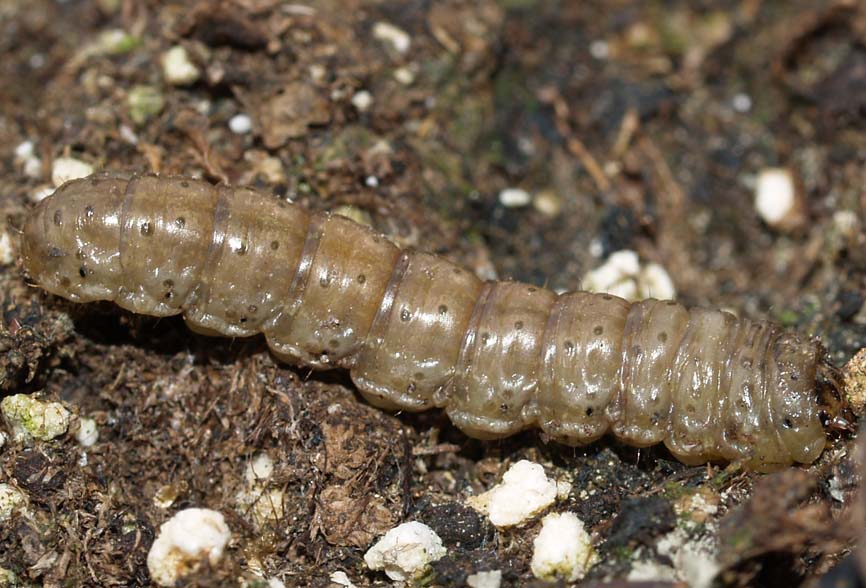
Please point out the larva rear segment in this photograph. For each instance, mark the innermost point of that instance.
(417, 331)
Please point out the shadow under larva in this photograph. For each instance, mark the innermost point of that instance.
(417, 331)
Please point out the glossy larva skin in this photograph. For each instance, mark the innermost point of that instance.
(416, 331)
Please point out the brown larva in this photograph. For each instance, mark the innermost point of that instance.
(416, 331)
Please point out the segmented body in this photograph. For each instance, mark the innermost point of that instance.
(417, 331)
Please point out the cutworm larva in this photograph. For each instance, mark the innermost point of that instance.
(416, 331)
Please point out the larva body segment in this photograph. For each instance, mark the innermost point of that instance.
(416, 331)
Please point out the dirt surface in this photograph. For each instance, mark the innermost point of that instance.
(633, 125)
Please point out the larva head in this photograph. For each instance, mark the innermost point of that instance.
(794, 404)
(70, 241)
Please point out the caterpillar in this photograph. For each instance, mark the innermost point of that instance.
(416, 331)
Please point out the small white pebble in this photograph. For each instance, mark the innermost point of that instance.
(69, 168)
(317, 72)
(177, 67)
(127, 134)
(29, 418)
(25, 155)
(398, 38)
(622, 275)
(24, 150)
(775, 194)
(599, 49)
(514, 198)
(240, 124)
(3, 438)
(547, 203)
(404, 75)
(484, 579)
(524, 492)
(260, 468)
(7, 251)
(11, 499)
(655, 282)
(742, 103)
(276, 583)
(184, 542)
(33, 167)
(563, 549)
(362, 100)
(835, 487)
(87, 433)
(342, 579)
(371, 181)
(406, 551)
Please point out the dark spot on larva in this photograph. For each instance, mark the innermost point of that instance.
(656, 418)
(485, 337)
(457, 271)
(690, 408)
(531, 289)
(746, 363)
(787, 423)
(333, 344)
(377, 240)
(242, 320)
(275, 245)
(180, 222)
(362, 278)
(795, 376)
(88, 211)
(589, 411)
(168, 295)
(671, 303)
(598, 330)
(64, 281)
(443, 309)
(569, 347)
(503, 408)
(147, 228)
(231, 314)
(428, 273)
(663, 337)
(418, 375)
(94, 182)
(169, 283)
(636, 350)
(405, 315)
(324, 281)
(55, 252)
(184, 184)
(411, 387)
(607, 297)
(58, 217)
(79, 253)
(518, 325)
(82, 271)
(252, 309)
(241, 249)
